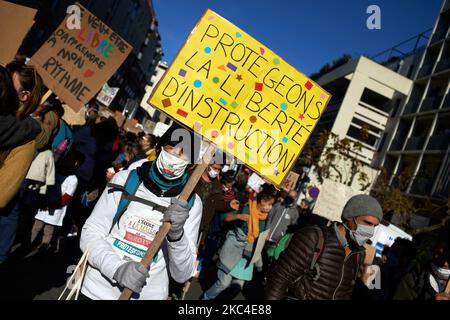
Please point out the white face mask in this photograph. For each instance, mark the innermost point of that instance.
(361, 234)
(444, 272)
(213, 173)
(170, 166)
(441, 272)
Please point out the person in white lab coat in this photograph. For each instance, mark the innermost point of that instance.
(118, 239)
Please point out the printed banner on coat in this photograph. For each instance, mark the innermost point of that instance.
(241, 96)
(75, 63)
(15, 22)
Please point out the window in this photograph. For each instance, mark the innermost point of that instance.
(355, 133)
(371, 128)
(374, 99)
(410, 71)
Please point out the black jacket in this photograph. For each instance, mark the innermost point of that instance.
(416, 285)
(14, 133)
(291, 276)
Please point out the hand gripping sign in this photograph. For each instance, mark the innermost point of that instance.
(243, 98)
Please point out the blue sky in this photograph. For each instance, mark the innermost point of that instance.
(306, 33)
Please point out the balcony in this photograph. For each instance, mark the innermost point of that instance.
(431, 103)
(397, 144)
(446, 7)
(439, 142)
(439, 35)
(411, 107)
(442, 65)
(425, 70)
(415, 143)
(446, 102)
(422, 186)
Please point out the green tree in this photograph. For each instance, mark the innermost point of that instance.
(334, 65)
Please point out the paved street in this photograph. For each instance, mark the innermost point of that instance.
(43, 277)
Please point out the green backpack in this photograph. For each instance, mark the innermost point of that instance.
(274, 251)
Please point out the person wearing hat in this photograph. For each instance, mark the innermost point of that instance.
(117, 239)
(323, 263)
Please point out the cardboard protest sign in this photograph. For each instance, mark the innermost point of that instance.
(75, 64)
(120, 118)
(332, 199)
(74, 118)
(290, 182)
(15, 22)
(160, 129)
(131, 125)
(255, 182)
(370, 254)
(259, 246)
(241, 96)
(107, 95)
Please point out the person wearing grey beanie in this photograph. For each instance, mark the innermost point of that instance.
(323, 263)
(360, 216)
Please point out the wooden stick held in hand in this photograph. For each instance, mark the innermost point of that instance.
(447, 289)
(46, 96)
(165, 228)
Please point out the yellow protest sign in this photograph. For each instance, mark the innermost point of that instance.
(241, 96)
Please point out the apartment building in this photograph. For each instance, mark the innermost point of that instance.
(418, 138)
(365, 94)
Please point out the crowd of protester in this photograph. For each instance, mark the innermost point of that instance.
(112, 189)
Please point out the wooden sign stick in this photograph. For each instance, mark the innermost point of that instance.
(165, 228)
(447, 289)
(46, 96)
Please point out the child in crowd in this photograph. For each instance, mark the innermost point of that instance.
(56, 201)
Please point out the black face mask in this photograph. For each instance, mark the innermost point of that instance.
(288, 201)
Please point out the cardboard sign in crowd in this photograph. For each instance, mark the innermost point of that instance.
(241, 96)
(107, 95)
(15, 21)
(76, 63)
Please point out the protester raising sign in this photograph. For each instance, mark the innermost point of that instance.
(75, 63)
(241, 96)
(15, 21)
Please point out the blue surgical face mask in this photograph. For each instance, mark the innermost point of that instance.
(361, 234)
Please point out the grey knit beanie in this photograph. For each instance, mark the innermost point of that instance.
(362, 205)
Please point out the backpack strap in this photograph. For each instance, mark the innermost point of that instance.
(360, 258)
(128, 190)
(314, 267)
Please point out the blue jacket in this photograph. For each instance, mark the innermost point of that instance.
(87, 145)
(236, 246)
